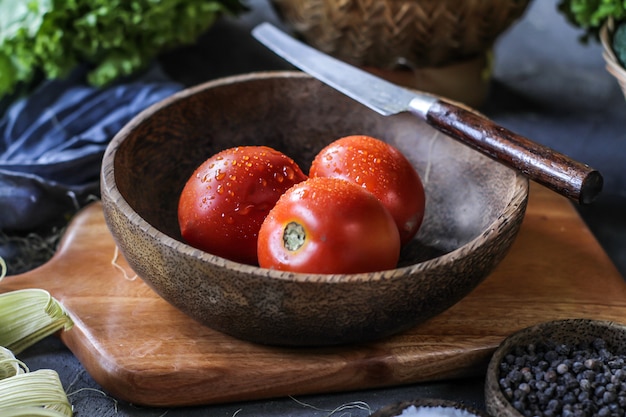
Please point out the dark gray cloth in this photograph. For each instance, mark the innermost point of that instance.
(53, 140)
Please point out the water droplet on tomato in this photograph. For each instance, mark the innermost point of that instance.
(300, 193)
(289, 173)
(245, 210)
(219, 175)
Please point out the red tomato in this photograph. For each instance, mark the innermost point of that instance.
(328, 226)
(381, 169)
(224, 202)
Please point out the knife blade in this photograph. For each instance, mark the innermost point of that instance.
(562, 174)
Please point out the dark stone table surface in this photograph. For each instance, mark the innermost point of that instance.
(546, 85)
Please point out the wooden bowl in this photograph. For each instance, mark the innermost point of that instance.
(439, 407)
(568, 331)
(473, 212)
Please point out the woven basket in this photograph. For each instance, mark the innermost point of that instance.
(389, 33)
(613, 66)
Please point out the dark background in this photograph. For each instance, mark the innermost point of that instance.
(546, 85)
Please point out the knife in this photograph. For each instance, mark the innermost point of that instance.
(539, 163)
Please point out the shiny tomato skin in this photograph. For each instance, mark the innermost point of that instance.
(224, 202)
(328, 226)
(381, 169)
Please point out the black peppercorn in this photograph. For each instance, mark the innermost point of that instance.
(549, 379)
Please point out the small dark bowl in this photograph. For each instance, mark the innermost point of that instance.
(569, 331)
(442, 408)
(474, 210)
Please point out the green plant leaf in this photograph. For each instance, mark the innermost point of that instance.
(17, 16)
(115, 37)
(590, 15)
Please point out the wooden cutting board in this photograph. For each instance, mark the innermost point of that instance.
(142, 350)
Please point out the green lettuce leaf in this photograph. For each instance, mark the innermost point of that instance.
(115, 37)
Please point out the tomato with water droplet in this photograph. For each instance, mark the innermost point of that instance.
(328, 226)
(226, 199)
(381, 169)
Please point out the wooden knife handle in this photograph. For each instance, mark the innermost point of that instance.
(539, 163)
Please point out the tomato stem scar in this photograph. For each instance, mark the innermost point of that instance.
(293, 236)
